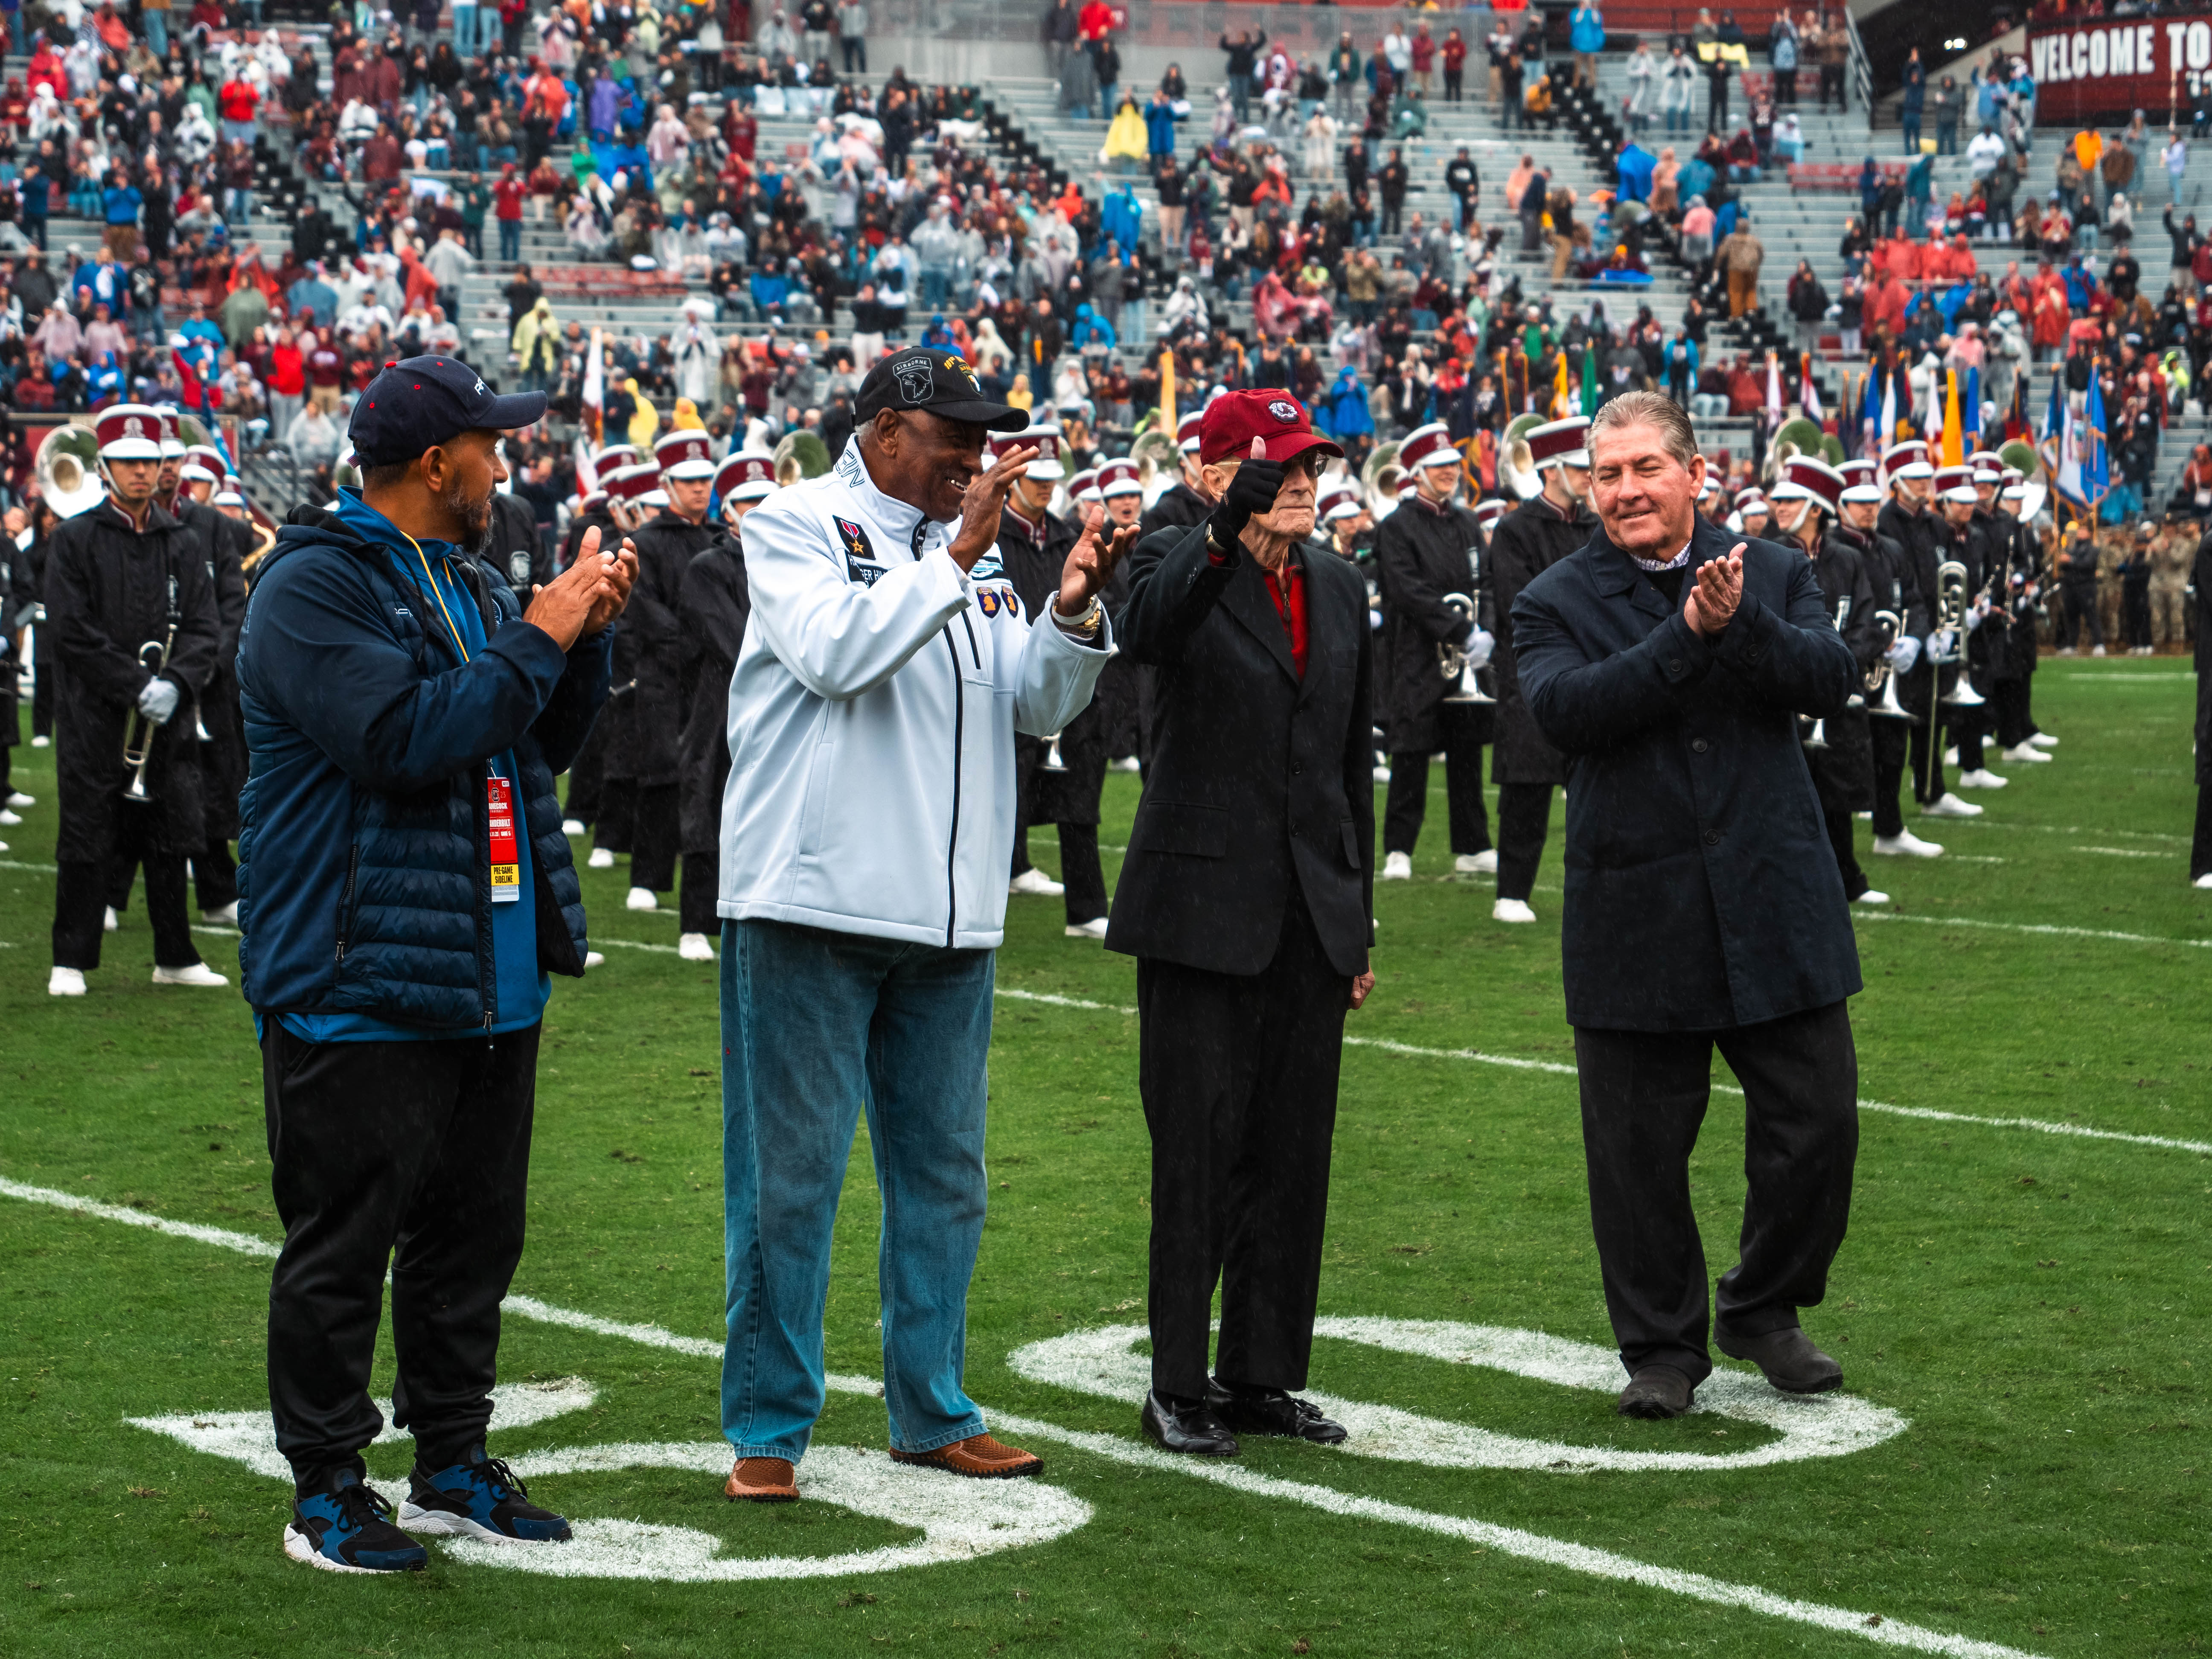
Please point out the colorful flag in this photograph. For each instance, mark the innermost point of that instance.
(1954, 450)
(1590, 381)
(587, 475)
(1972, 408)
(2084, 464)
(2016, 425)
(1808, 391)
(595, 393)
(1774, 388)
(1168, 413)
(1888, 408)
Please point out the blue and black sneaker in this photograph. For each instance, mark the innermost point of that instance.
(347, 1528)
(478, 1498)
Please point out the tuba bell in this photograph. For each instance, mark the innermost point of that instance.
(1458, 668)
(1879, 678)
(68, 469)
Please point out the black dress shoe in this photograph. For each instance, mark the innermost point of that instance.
(1657, 1391)
(1787, 1357)
(1271, 1411)
(1186, 1426)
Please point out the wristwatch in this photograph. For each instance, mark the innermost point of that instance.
(1085, 624)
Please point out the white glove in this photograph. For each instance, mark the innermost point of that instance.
(1942, 643)
(1978, 615)
(1479, 644)
(1903, 655)
(159, 700)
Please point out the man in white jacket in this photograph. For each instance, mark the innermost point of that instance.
(866, 827)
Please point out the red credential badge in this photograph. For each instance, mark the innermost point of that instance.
(506, 862)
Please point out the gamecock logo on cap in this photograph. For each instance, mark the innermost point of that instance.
(134, 428)
(1282, 409)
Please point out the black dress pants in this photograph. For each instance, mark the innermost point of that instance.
(1524, 818)
(641, 819)
(2009, 701)
(1839, 838)
(695, 905)
(1081, 873)
(2200, 848)
(1407, 802)
(1644, 1095)
(81, 899)
(1927, 767)
(1891, 743)
(414, 1155)
(1238, 1076)
(587, 777)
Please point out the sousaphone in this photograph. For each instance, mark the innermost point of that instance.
(68, 469)
(1517, 477)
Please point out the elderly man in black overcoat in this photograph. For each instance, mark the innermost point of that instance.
(1670, 662)
(1248, 898)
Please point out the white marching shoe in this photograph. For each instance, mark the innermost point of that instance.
(2096, 650)
(1981, 778)
(572, 826)
(9, 819)
(1094, 928)
(1397, 866)
(2203, 881)
(1484, 863)
(226, 917)
(40, 742)
(70, 982)
(1949, 805)
(199, 974)
(1906, 844)
(21, 802)
(1872, 896)
(1511, 910)
(1034, 880)
(694, 947)
(2025, 754)
(1382, 774)
(2043, 740)
(1126, 764)
(592, 958)
(641, 898)
(108, 924)
(1951, 756)
(601, 859)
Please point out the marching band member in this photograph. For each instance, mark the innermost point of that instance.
(1122, 497)
(1962, 526)
(1247, 899)
(1907, 519)
(666, 544)
(1530, 539)
(1753, 516)
(1060, 774)
(596, 511)
(712, 609)
(1807, 500)
(1427, 549)
(1987, 555)
(2017, 737)
(1185, 502)
(1896, 590)
(866, 830)
(122, 577)
(620, 821)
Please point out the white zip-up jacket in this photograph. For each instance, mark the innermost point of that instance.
(871, 719)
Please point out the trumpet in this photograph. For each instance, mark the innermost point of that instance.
(1457, 668)
(1950, 617)
(1879, 678)
(138, 730)
(1052, 762)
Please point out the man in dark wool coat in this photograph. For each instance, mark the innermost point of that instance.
(120, 577)
(1247, 899)
(1670, 662)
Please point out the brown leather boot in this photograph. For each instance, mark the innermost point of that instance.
(763, 1480)
(978, 1457)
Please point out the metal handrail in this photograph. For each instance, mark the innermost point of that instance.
(1862, 71)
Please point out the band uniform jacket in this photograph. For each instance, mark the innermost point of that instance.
(1982, 546)
(223, 542)
(1924, 542)
(1033, 556)
(1258, 778)
(1701, 890)
(2201, 601)
(1422, 552)
(649, 648)
(711, 612)
(1523, 545)
(108, 593)
(2023, 551)
(1843, 773)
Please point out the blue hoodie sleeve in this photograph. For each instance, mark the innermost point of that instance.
(320, 647)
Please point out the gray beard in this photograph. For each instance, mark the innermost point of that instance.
(476, 521)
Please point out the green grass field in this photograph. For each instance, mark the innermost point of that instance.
(2027, 1307)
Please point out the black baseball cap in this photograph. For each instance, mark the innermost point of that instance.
(419, 402)
(940, 381)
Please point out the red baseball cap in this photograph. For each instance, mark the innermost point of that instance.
(1235, 418)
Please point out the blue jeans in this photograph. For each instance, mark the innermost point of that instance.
(510, 239)
(157, 31)
(465, 32)
(816, 1025)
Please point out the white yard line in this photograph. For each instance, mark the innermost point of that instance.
(2045, 928)
(2125, 853)
(1515, 1062)
(1483, 1534)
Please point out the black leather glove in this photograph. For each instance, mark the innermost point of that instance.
(1252, 490)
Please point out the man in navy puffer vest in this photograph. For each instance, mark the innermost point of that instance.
(405, 890)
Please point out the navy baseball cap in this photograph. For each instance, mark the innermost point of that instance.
(940, 381)
(420, 403)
